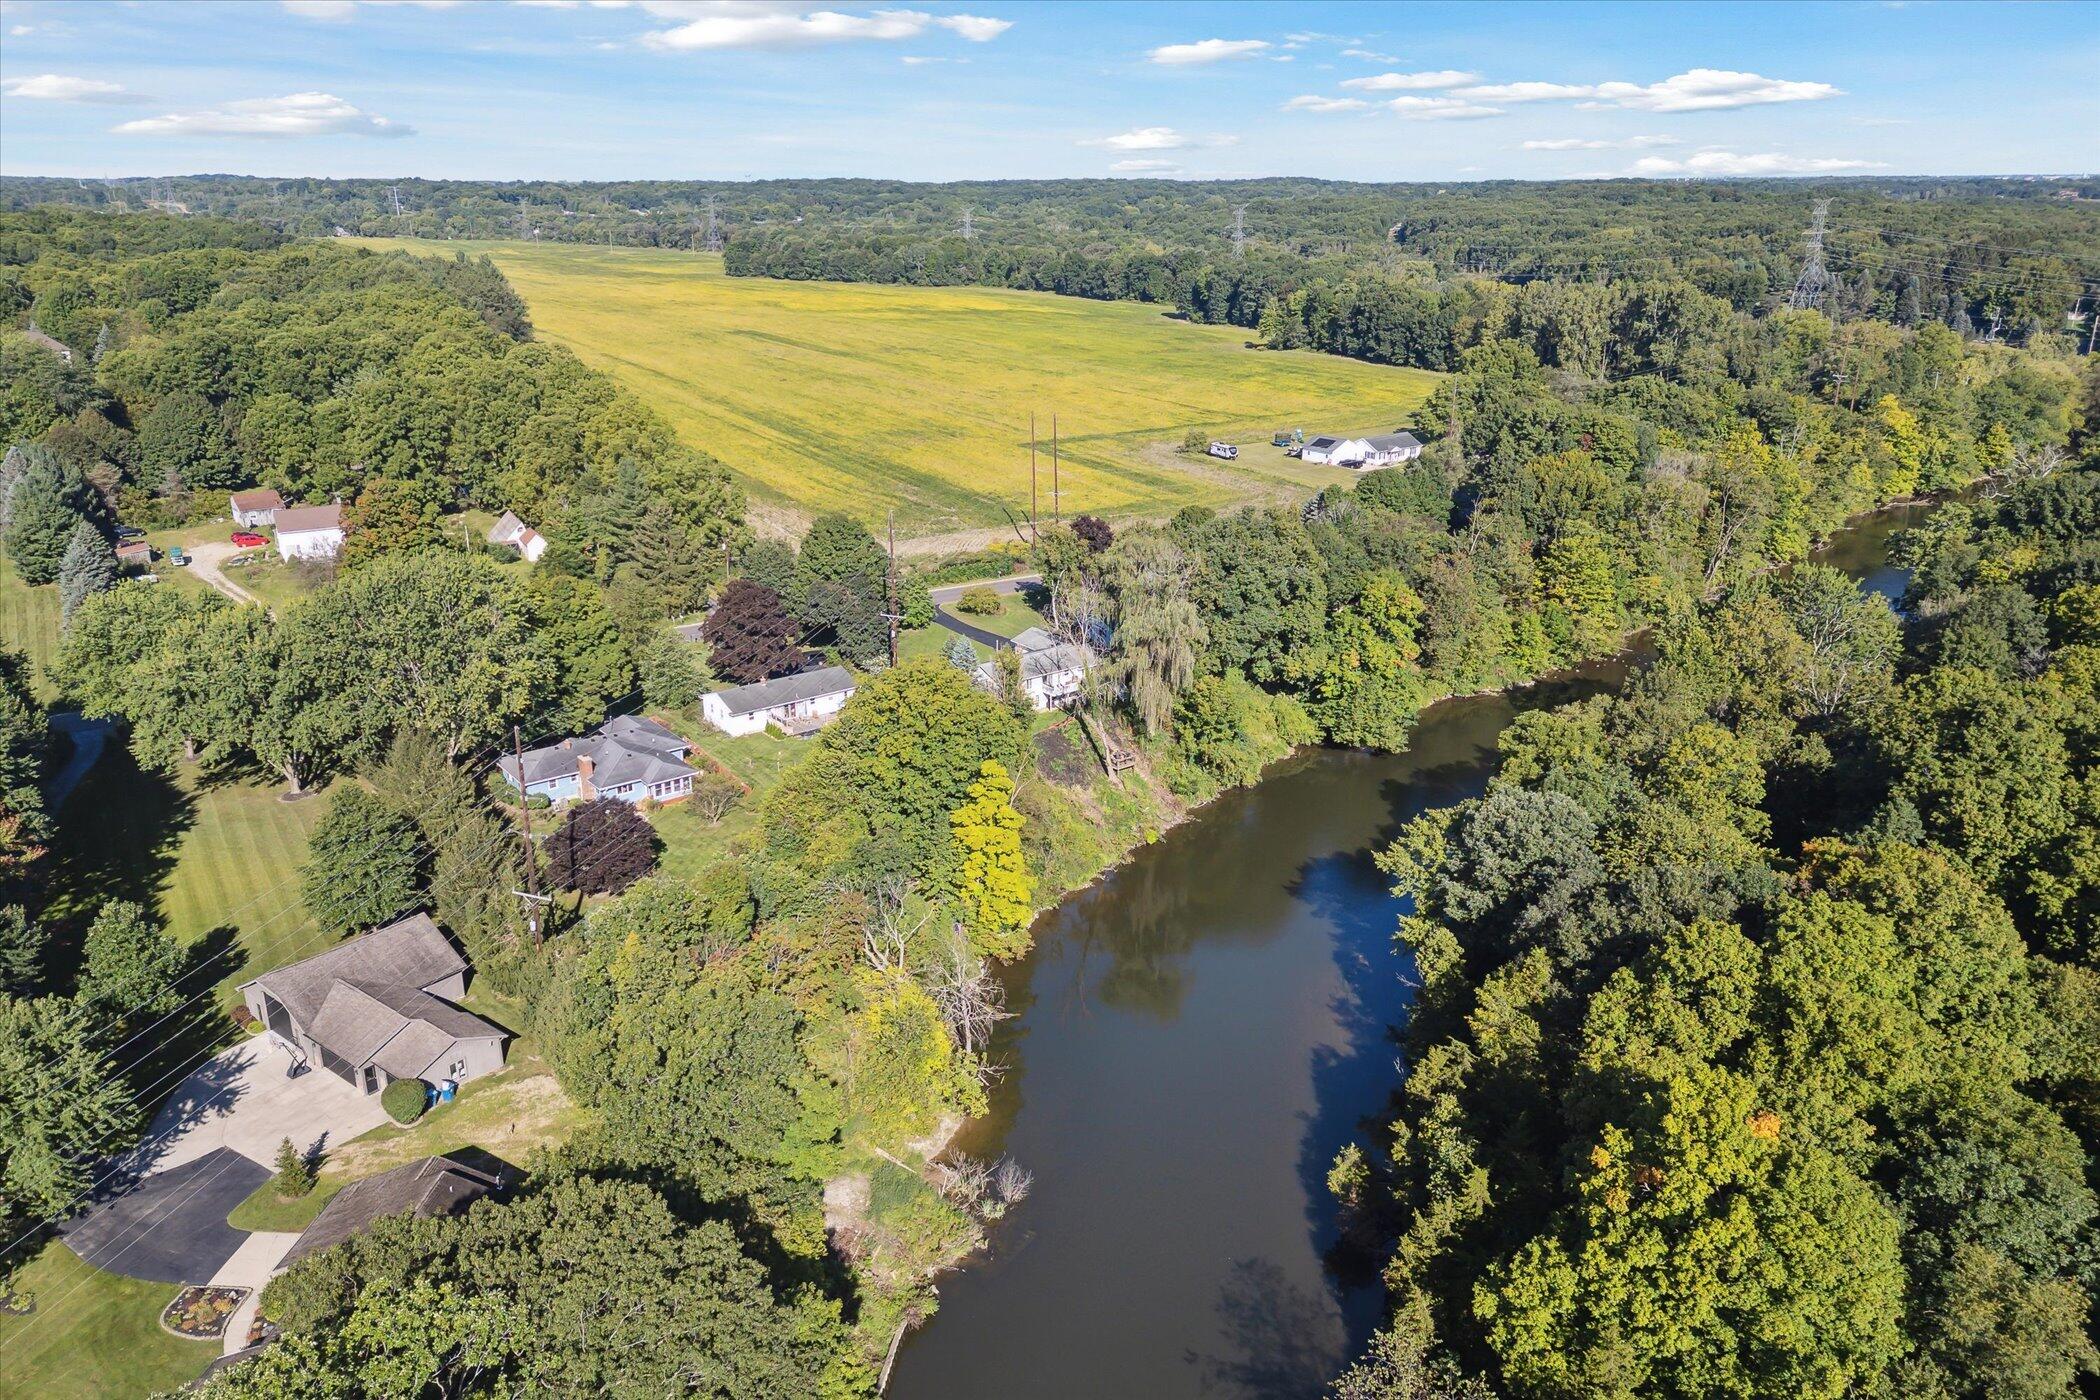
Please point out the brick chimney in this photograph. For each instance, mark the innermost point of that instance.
(583, 778)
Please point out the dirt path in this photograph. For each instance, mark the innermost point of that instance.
(208, 561)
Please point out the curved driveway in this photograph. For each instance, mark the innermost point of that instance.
(208, 562)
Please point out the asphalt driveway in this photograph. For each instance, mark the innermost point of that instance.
(171, 1227)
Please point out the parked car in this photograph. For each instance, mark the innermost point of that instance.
(130, 532)
(176, 556)
(1225, 450)
(238, 561)
(1295, 437)
(248, 539)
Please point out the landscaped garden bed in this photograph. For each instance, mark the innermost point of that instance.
(200, 1311)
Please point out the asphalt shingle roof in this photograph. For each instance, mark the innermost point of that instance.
(431, 1187)
(408, 953)
(625, 749)
(786, 690)
(293, 519)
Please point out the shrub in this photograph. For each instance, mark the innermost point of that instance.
(404, 1100)
(980, 602)
(295, 1175)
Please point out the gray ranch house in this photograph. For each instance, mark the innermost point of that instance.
(378, 1008)
(627, 757)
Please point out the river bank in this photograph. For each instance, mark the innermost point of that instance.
(1198, 1031)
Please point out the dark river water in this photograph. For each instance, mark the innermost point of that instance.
(1197, 1034)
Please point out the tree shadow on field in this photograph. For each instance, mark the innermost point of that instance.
(119, 837)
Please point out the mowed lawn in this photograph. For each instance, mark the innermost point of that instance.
(839, 396)
(29, 624)
(93, 1336)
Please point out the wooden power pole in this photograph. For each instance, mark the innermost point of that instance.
(1034, 530)
(892, 590)
(531, 893)
(1057, 494)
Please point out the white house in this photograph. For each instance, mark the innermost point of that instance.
(309, 532)
(629, 757)
(1363, 453)
(1052, 672)
(252, 509)
(798, 704)
(510, 530)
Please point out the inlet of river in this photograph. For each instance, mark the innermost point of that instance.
(1196, 1035)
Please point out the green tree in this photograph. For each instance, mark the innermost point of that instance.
(129, 968)
(364, 864)
(391, 515)
(25, 739)
(60, 1108)
(672, 677)
(48, 499)
(1361, 683)
(88, 566)
(1160, 634)
(576, 633)
(991, 886)
(295, 1174)
(183, 439)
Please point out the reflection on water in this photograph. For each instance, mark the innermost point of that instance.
(1196, 1036)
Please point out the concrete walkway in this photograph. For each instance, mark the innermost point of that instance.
(250, 1268)
(89, 737)
(208, 561)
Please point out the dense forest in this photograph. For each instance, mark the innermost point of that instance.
(1752, 1051)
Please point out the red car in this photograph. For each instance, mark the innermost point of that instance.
(248, 539)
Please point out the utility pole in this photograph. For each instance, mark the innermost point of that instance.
(1057, 494)
(714, 239)
(1814, 280)
(891, 589)
(2092, 323)
(1239, 230)
(531, 893)
(395, 192)
(1034, 530)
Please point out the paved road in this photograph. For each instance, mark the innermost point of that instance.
(88, 736)
(208, 560)
(1012, 583)
(942, 597)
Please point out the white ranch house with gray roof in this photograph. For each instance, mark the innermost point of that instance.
(799, 704)
(1362, 453)
(628, 757)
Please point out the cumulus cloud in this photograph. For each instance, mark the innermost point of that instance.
(719, 26)
(1410, 82)
(59, 87)
(1157, 138)
(1724, 163)
(1571, 143)
(1145, 167)
(1208, 51)
(1312, 102)
(1696, 90)
(1369, 56)
(1440, 109)
(296, 114)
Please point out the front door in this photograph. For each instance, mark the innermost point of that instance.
(371, 1079)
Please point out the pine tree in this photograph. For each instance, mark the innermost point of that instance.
(961, 655)
(21, 951)
(295, 1175)
(101, 345)
(87, 567)
(46, 501)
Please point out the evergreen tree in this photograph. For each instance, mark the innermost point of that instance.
(88, 566)
(363, 865)
(961, 655)
(295, 1175)
(131, 967)
(21, 951)
(48, 499)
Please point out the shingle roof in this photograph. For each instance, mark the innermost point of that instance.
(1033, 639)
(1043, 661)
(764, 695)
(292, 519)
(1387, 441)
(506, 528)
(431, 1187)
(408, 953)
(1325, 442)
(625, 749)
(264, 499)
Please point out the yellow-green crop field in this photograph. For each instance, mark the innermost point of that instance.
(839, 396)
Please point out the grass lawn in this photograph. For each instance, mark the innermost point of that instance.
(94, 1336)
(841, 396)
(29, 624)
(216, 862)
(758, 760)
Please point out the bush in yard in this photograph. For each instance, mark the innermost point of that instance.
(980, 602)
(404, 1100)
(295, 1175)
(602, 848)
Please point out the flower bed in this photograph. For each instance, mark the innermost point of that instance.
(199, 1311)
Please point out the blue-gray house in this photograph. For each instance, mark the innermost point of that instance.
(626, 757)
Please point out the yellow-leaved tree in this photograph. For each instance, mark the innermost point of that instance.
(994, 893)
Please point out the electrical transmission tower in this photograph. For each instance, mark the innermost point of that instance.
(714, 238)
(1239, 230)
(969, 223)
(1814, 280)
(394, 193)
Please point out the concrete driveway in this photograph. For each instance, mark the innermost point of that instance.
(163, 1214)
(208, 562)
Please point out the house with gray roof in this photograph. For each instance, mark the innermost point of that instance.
(431, 1187)
(379, 1007)
(1363, 453)
(1052, 672)
(799, 704)
(629, 757)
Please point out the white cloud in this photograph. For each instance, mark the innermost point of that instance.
(1410, 82)
(1313, 103)
(1571, 143)
(336, 11)
(1440, 109)
(296, 114)
(1369, 57)
(59, 87)
(1158, 138)
(1145, 167)
(712, 25)
(1725, 163)
(1208, 51)
(1696, 90)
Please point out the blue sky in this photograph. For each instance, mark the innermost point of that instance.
(700, 89)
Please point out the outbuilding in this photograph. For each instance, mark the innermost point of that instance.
(255, 509)
(309, 532)
(510, 530)
(799, 704)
